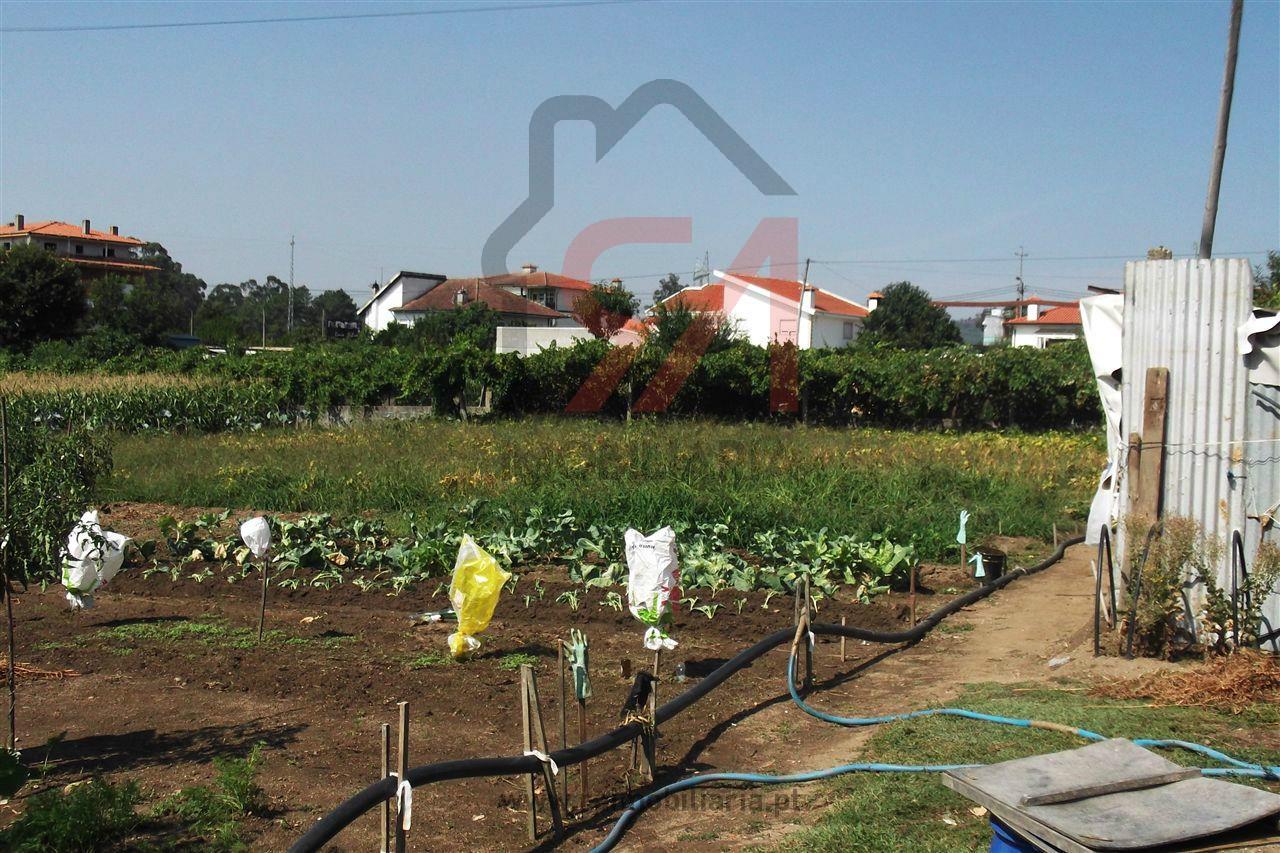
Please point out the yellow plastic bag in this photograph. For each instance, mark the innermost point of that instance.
(477, 582)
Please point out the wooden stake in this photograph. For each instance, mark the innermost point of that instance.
(4, 581)
(262, 608)
(843, 657)
(1220, 140)
(402, 772)
(564, 728)
(1055, 536)
(384, 811)
(539, 736)
(912, 585)
(964, 556)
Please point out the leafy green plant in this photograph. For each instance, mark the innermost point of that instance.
(213, 813)
(515, 660)
(94, 816)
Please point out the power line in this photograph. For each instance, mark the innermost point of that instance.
(351, 16)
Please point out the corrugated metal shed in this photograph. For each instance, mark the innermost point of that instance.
(1183, 315)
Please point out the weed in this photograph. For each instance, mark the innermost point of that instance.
(515, 660)
(90, 817)
(213, 813)
(426, 660)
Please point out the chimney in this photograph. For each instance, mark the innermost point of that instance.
(460, 298)
(873, 300)
(529, 269)
(617, 282)
(1159, 253)
(20, 221)
(115, 230)
(86, 226)
(376, 287)
(1033, 311)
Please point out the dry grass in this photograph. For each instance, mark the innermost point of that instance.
(1232, 682)
(25, 671)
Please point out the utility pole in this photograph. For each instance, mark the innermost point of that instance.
(1022, 285)
(289, 324)
(804, 286)
(1220, 145)
(264, 324)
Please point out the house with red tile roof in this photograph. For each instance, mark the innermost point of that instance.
(96, 253)
(766, 310)
(409, 296)
(1042, 326)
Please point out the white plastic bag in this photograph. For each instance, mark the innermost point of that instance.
(256, 533)
(93, 557)
(653, 582)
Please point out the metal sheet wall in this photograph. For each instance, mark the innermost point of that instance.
(1183, 315)
(1262, 485)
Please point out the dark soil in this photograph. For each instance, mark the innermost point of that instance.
(156, 703)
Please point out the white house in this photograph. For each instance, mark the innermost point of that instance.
(410, 296)
(1043, 326)
(765, 310)
(96, 253)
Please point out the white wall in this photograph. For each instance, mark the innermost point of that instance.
(379, 315)
(1035, 335)
(828, 330)
(527, 340)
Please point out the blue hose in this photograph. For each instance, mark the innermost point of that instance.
(1239, 768)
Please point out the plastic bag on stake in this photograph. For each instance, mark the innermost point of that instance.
(93, 557)
(653, 582)
(477, 583)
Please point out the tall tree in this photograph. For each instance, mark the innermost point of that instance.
(605, 308)
(668, 286)
(906, 317)
(1266, 283)
(41, 297)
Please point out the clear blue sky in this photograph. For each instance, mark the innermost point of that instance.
(909, 131)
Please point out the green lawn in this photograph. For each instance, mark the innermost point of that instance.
(909, 811)
(751, 477)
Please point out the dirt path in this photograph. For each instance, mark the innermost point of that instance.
(1009, 637)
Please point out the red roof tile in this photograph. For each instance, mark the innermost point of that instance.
(1062, 315)
(538, 279)
(711, 297)
(440, 298)
(53, 228)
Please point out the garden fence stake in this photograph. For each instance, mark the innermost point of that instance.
(384, 811)
(564, 727)
(534, 715)
(1055, 536)
(843, 658)
(5, 592)
(402, 773)
(262, 609)
(912, 583)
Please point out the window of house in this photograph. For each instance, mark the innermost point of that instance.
(848, 330)
(50, 247)
(543, 297)
(111, 252)
(79, 249)
(6, 245)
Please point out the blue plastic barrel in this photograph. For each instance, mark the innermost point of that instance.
(1005, 840)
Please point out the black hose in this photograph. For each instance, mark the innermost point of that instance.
(325, 829)
(1237, 568)
(1104, 546)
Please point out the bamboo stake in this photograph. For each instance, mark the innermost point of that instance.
(843, 657)
(540, 734)
(1055, 536)
(402, 768)
(384, 811)
(912, 584)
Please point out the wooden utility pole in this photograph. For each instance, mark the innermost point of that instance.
(1220, 144)
(5, 590)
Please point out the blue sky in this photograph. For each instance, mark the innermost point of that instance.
(951, 132)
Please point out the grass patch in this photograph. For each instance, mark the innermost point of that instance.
(906, 811)
(125, 637)
(753, 477)
(213, 814)
(427, 660)
(955, 627)
(90, 817)
(515, 660)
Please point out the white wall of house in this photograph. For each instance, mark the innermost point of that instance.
(527, 340)
(1040, 336)
(400, 290)
(834, 330)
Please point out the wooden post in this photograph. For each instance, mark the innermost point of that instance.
(843, 658)
(538, 735)
(402, 772)
(649, 741)
(384, 811)
(5, 591)
(1220, 141)
(564, 727)
(964, 556)
(1055, 536)
(1151, 463)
